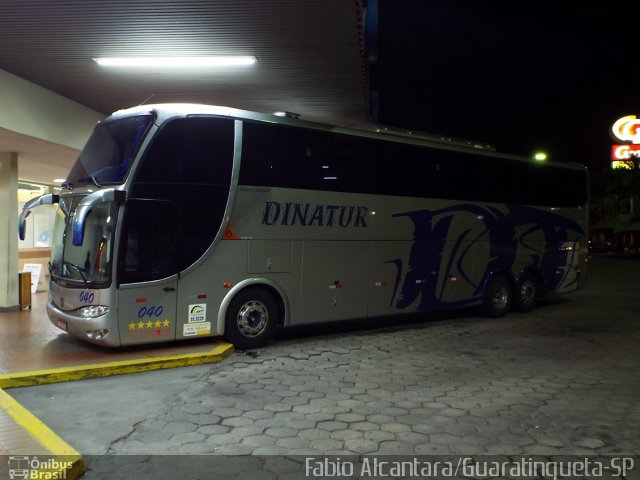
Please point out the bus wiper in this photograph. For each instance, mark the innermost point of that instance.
(95, 181)
(68, 185)
(79, 270)
(53, 271)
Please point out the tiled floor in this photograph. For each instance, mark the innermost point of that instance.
(28, 341)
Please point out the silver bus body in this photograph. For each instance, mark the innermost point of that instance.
(286, 255)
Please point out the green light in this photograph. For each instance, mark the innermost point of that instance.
(540, 156)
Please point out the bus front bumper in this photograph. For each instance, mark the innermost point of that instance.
(95, 330)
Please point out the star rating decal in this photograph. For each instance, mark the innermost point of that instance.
(148, 324)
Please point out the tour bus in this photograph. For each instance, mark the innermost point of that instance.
(180, 221)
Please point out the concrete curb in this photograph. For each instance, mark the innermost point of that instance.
(65, 461)
(67, 374)
(68, 463)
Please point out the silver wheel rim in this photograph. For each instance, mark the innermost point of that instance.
(527, 292)
(500, 297)
(252, 318)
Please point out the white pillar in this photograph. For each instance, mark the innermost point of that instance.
(8, 231)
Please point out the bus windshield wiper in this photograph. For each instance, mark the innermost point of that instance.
(79, 270)
(68, 185)
(95, 181)
(54, 270)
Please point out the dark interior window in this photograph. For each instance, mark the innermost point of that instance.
(283, 156)
(189, 165)
(148, 243)
(277, 155)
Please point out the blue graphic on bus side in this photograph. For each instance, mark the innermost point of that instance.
(432, 229)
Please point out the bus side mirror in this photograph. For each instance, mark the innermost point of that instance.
(22, 223)
(77, 230)
(47, 199)
(84, 208)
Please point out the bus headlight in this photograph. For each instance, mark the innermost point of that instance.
(93, 311)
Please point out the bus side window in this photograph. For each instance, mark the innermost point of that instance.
(190, 150)
(189, 164)
(392, 166)
(148, 244)
(276, 155)
(341, 165)
(149, 250)
(330, 169)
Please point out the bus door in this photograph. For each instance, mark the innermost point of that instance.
(147, 272)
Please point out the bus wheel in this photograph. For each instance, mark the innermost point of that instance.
(527, 293)
(251, 319)
(498, 296)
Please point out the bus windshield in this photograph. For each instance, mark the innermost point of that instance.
(89, 264)
(109, 152)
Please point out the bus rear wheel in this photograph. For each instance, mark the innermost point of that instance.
(251, 319)
(498, 296)
(527, 293)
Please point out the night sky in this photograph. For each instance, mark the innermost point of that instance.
(523, 76)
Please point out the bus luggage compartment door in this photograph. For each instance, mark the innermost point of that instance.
(147, 313)
(334, 280)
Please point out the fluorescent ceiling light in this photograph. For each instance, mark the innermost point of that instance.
(176, 62)
(59, 180)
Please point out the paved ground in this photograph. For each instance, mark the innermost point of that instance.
(563, 379)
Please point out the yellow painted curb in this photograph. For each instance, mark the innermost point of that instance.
(65, 461)
(81, 372)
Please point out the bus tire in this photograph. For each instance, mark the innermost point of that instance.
(251, 319)
(498, 296)
(527, 293)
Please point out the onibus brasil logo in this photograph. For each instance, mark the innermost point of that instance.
(33, 468)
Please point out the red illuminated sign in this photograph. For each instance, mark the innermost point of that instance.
(625, 152)
(627, 130)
